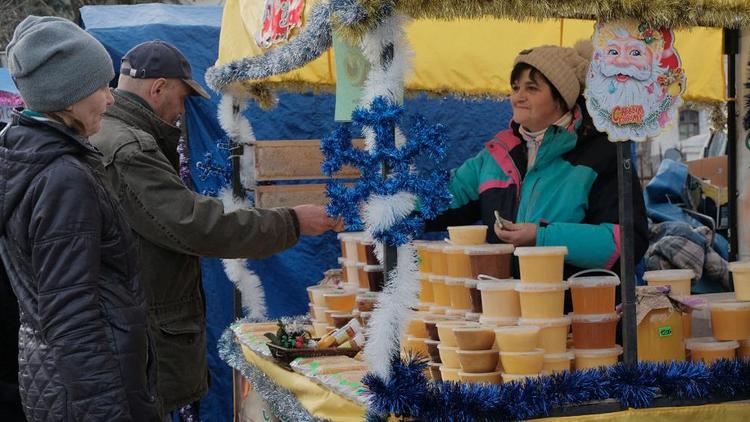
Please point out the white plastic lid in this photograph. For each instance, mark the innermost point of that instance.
(541, 251)
(373, 268)
(546, 322)
(349, 235)
(470, 283)
(517, 377)
(497, 286)
(444, 368)
(455, 281)
(473, 316)
(500, 321)
(739, 266)
(541, 287)
(557, 357)
(431, 341)
(365, 314)
(529, 329)
(339, 292)
(594, 281)
(361, 265)
(458, 313)
(494, 249)
(708, 344)
(454, 249)
(729, 305)
(535, 352)
(594, 318)
(367, 241)
(598, 353)
(437, 309)
(437, 278)
(473, 328)
(477, 352)
(453, 323)
(667, 275)
(368, 295)
(350, 264)
(435, 318)
(423, 276)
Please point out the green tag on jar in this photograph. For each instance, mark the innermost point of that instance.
(665, 331)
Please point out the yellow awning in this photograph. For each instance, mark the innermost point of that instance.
(472, 57)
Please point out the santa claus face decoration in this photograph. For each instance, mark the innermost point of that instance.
(635, 81)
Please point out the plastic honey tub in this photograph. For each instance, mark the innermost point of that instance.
(341, 237)
(594, 331)
(440, 290)
(445, 331)
(438, 262)
(498, 321)
(594, 358)
(320, 329)
(362, 279)
(475, 296)
(315, 294)
(438, 310)
(593, 295)
(709, 351)
(432, 350)
(661, 336)
(481, 378)
(416, 326)
(541, 300)
(553, 332)
(730, 320)
(341, 300)
(458, 264)
(541, 264)
(319, 313)
(449, 356)
(744, 351)
(523, 362)
(491, 260)
(517, 338)
(456, 313)
(425, 288)
(431, 320)
(557, 362)
(449, 374)
(741, 276)
(467, 235)
(474, 338)
(680, 280)
(349, 241)
(352, 273)
(477, 361)
(375, 277)
(458, 293)
(435, 371)
(499, 298)
(368, 246)
(416, 345)
(423, 258)
(342, 264)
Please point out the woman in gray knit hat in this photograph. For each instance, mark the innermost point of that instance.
(551, 176)
(84, 350)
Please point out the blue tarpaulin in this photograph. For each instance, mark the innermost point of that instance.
(195, 31)
(6, 83)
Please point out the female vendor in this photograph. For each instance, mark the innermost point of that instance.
(551, 174)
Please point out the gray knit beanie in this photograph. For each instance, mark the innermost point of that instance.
(55, 64)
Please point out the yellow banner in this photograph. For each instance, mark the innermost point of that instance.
(474, 57)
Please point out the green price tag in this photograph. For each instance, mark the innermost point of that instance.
(665, 331)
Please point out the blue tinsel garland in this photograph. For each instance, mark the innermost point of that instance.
(431, 188)
(409, 394)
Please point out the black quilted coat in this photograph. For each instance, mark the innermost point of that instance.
(84, 352)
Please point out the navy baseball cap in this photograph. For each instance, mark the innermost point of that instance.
(158, 59)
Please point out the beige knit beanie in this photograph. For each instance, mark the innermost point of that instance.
(564, 67)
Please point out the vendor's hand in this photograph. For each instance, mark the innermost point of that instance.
(520, 234)
(314, 221)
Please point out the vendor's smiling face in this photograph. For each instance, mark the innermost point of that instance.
(534, 107)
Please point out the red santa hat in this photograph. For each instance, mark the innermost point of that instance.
(669, 59)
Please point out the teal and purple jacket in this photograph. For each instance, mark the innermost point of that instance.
(570, 192)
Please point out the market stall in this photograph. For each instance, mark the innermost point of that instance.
(445, 283)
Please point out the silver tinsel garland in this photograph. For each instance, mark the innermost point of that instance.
(283, 403)
(314, 39)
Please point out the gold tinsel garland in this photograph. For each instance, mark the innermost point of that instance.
(671, 13)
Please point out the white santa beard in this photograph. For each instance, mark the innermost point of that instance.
(628, 93)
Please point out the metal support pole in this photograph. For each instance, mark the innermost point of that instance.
(627, 264)
(731, 49)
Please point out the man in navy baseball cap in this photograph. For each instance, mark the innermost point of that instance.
(158, 59)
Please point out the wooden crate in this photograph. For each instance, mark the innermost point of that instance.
(294, 160)
(271, 196)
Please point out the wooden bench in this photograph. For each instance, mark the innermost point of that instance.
(293, 161)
